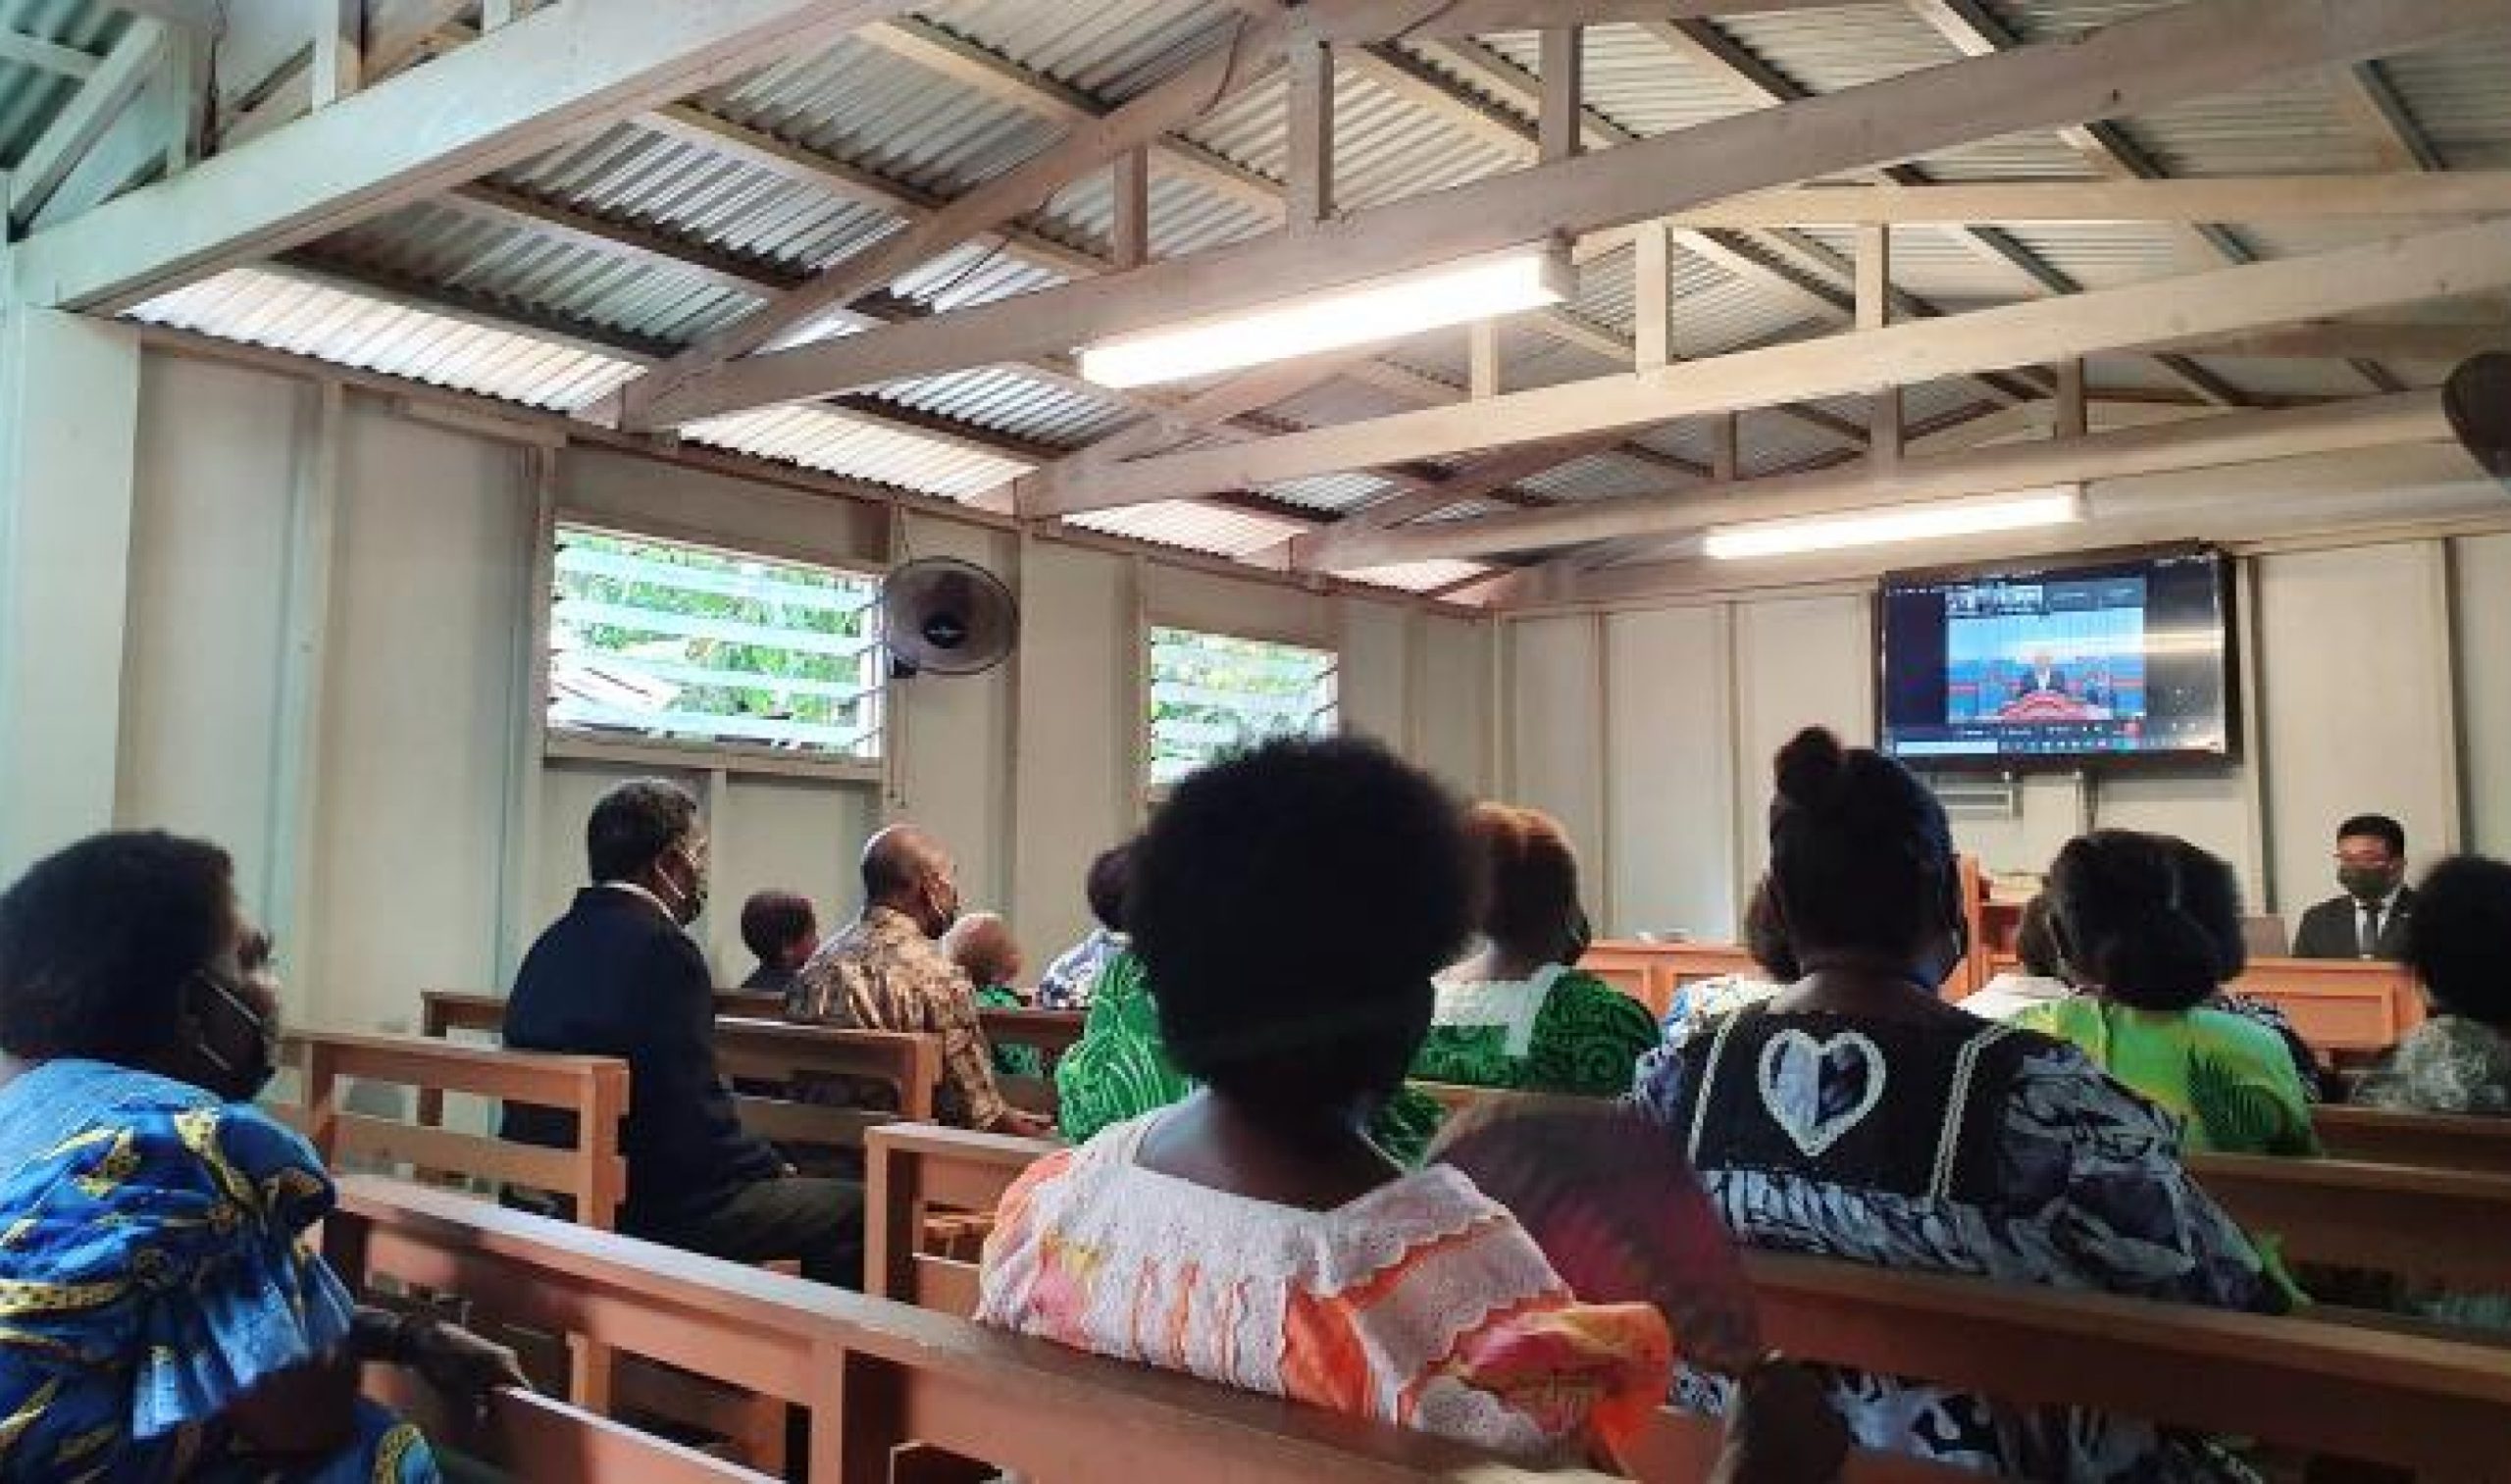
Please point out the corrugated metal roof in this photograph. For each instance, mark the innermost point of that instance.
(285, 312)
(835, 442)
(31, 96)
(1193, 527)
(1109, 49)
(1419, 576)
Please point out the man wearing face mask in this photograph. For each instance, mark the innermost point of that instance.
(2371, 920)
(618, 976)
(886, 972)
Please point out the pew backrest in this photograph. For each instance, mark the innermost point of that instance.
(593, 1090)
(2445, 1226)
(2353, 1392)
(890, 1372)
(2429, 1141)
(912, 1170)
(772, 1051)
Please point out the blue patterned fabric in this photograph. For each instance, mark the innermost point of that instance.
(2082, 1190)
(1072, 979)
(152, 1272)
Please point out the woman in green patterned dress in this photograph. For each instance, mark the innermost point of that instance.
(1521, 1014)
(2149, 927)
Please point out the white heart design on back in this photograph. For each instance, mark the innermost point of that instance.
(1802, 1060)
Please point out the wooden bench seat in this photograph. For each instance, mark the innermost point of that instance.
(2442, 1226)
(891, 1373)
(2432, 1141)
(2413, 1402)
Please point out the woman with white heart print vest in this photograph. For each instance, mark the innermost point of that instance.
(1858, 1116)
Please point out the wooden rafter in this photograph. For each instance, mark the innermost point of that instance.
(2461, 260)
(2260, 198)
(563, 68)
(2199, 442)
(82, 123)
(1250, 52)
(2107, 148)
(2140, 64)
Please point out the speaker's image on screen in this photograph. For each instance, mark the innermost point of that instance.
(2104, 660)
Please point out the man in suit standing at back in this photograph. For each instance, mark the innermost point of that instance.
(618, 976)
(2372, 918)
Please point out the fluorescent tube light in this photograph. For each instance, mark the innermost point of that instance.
(1903, 523)
(1380, 309)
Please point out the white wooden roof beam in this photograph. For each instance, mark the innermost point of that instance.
(2137, 64)
(81, 123)
(47, 56)
(2441, 265)
(2262, 198)
(561, 71)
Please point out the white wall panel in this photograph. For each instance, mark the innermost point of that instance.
(2355, 704)
(2483, 626)
(1079, 773)
(1376, 684)
(219, 449)
(1556, 735)
(799, 834)
(1455, 725)
(1669, 755)
(419, 732)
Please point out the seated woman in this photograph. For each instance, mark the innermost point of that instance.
(2459, 1061)
(166, 1318)
(1120, 1067)
(1861, 1117)
(1705, 1002)
(1519, 1014)
(981, 945)
(1254, 1235)
(2037, 979)
(1073, 978)
(2149, 927)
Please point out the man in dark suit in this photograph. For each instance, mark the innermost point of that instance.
(2045, 676)
(617, 976)
(2372, 919)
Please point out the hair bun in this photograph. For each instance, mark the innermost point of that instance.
(1810, 769)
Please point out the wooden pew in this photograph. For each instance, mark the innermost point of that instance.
(2432, 1141)
(593, 1176)
(773, 1051)
(2444, 1226)
(891, 1373)
(2326, 1387)
(1651, 972)
(1050, 1032)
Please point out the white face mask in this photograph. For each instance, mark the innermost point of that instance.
(692, 898)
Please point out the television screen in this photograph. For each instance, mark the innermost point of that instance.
(2099, 660)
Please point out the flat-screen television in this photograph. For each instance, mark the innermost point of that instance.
(2103, 659)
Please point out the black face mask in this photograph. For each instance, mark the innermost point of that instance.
(2367, 882)
(243, 1081)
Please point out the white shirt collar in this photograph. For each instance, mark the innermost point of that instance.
(634, 889)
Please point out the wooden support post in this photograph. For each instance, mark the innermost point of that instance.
(1564, 93)
(2071, 422)
(1130, 237)
(1311, 197)
(1725, 452)
(339, 48)
(1874, 311)
(1652, 268)
(1484, 370)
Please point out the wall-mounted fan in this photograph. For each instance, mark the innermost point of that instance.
(2478, 399)
(944, 616)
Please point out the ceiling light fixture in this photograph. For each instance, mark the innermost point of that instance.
(1934, 520)
(1379, 309)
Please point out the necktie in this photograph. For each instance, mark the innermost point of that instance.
(2371, 946)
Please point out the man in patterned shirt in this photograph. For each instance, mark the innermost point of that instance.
(886, 972)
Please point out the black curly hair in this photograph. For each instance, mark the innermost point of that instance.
(98, 942)
(635, 822)
(1861, 856)
(1290, 907)
(2461, 935)
(1111, 879)
(2151, 920)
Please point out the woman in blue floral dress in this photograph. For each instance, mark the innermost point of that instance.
(160, 1314)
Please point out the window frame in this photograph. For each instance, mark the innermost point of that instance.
(1155, 792)
(724, 756)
